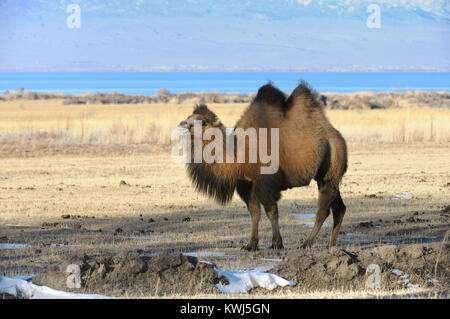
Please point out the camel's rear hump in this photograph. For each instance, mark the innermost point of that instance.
(313, 148)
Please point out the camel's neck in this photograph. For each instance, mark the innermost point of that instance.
(214, 177)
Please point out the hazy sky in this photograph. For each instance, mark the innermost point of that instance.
(225, 35)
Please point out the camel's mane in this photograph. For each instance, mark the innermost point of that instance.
(218, 187)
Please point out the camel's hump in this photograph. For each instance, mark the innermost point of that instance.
(305, 91)
(268, 94)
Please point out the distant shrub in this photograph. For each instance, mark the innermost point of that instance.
(334, 101)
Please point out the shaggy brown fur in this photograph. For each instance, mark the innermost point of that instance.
(309, 148)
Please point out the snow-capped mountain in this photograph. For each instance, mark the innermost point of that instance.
(226, 35)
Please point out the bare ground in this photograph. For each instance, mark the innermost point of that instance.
(124, 208)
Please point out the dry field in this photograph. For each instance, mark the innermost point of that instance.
(62, 169)
(25, 124)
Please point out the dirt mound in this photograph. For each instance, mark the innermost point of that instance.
(408, 266)
(135, 275)
(131, 274)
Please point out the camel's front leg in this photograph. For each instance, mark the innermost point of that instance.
(272, 213)
(253, 208)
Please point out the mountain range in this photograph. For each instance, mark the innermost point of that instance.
(231, 35)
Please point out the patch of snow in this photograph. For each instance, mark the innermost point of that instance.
(19, 287)
(27, 278)
(397, 272)
(63, 245)
(208, 254)
(12, 246)
(413, 286)
(272, 259)
(403, 195)
(431, 279)
(242, 281)
(405, 280)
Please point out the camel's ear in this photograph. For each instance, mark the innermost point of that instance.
(217, 123)
(203, 110)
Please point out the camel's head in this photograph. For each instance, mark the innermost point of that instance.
(203, 124)
(206, 117)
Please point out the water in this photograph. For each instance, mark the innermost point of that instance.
(147, 83)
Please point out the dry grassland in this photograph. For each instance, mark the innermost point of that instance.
(391, 152)
(50, 122)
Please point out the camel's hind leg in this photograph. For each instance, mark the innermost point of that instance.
(272, 213)
(338, 209)
(326, 196)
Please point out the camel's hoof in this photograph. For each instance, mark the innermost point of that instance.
(306, 244)
(277, 246)
(250, 247)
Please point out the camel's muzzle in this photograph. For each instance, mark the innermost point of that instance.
(183, 124)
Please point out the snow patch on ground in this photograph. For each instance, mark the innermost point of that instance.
(12, 246)
(20, 287)
(403, 195)
(272, 259)
(431, 279)
(405, 280)
(208, 254)
(242, 281)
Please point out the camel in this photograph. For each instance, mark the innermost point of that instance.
(309, 148)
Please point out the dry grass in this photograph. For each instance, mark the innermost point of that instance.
(409, 125)
(49, 122)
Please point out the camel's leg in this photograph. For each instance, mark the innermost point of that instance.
(326, 196)
(338, 209)
(253, 208)
(244, 189)
(272, 213)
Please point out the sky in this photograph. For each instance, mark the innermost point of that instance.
(225, 35)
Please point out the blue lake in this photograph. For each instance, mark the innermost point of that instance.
(147, 83)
